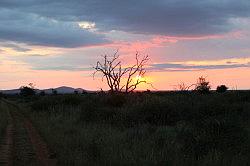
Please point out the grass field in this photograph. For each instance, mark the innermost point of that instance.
(3, 120)
(145, 128)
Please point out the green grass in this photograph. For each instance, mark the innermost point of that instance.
(146, 129)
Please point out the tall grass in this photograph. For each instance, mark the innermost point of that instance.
(146, 129)
(3, 120)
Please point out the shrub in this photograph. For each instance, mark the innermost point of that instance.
(202, 86)
(221, 88)
(70, 100)
(154, 111)
(54, 92)
(42, 93)
(84, 92)
(27, 91)
(115, 99)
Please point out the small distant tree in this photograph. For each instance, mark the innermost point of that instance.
(42, 93)
(76, 92)
(28, 90)
(54, 92)
(112, 70)
(1, 95)
(84, 92)
(202, 86)
(221, 88)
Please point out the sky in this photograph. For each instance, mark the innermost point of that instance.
(54, 43)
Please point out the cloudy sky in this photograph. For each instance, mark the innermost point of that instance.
(56, 42)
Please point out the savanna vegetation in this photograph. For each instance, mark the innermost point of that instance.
(197, 127)
(3, 120)
(163, 128)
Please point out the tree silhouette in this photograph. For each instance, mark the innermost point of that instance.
(28, 90)
(183, 87)
(221, 88)
(42, 93)
(54, 92)
(202, 85)
(115, 75)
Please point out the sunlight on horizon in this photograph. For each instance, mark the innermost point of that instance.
(53, 48)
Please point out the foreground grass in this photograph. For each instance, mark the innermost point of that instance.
(146, 129)
(3, 120)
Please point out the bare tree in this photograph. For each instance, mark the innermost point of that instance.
(183, 87)
(121, 79)
(202, 85)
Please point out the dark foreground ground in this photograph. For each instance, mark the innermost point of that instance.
(154, 129)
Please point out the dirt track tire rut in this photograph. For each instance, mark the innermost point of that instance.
(23, 145)
(6, 148)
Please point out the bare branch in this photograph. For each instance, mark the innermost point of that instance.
(112, 70)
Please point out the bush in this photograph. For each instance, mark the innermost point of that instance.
(221, 88)
(114, 99)
(148, 129)
(202, 85)
(48, 103)
(27, 91)
(54, 92)
(84, 92)
(42, 93)
(153, 110)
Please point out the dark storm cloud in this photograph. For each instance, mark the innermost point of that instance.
(162, 17)
(38, 30)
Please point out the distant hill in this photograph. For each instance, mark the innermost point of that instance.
(10, 92)
(60, 90)
(64, 90)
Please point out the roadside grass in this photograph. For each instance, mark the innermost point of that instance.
(146, 129)
(3, 120)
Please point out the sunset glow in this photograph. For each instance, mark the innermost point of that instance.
(52, 48)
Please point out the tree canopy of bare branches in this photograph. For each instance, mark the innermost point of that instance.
(121, 79)
(201, 86)
(183, 87)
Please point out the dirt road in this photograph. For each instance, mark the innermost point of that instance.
(22, 144)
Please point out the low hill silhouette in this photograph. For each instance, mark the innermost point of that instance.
(60, 90)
